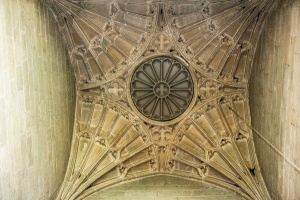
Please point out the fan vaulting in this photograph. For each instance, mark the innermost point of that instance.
(206, 137)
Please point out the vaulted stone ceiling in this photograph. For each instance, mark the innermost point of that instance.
(116, 140)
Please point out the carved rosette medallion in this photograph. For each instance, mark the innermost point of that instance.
(182, 67)
(161, 88)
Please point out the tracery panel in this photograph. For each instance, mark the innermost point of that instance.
(162, 88)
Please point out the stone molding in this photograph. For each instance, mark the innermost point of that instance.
(211, 142)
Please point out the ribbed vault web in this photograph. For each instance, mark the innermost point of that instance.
(205, 137)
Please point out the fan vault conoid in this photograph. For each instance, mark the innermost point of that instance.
(205, 138)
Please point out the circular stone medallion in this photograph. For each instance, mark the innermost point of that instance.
(161, 88)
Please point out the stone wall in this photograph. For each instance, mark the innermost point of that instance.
(165, 188)
(36, 102)
(275, 101)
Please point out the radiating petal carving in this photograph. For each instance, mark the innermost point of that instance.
(103, 38)
(108, 137)
(216, 138)
(219, 37)
(211, 141)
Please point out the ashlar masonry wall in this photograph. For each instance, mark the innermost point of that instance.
(275, 101)
(36, 102)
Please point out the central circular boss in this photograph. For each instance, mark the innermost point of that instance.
(161, 88)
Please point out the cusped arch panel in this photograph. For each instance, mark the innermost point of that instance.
(103, 38)
(115, 139)
(213, 144)
(108, 136)
(219, 37)
(161, 88)
(217, 145)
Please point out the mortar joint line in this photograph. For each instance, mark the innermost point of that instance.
(296, 168)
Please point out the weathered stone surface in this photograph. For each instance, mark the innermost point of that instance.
(106, 40)
(36, 102)
(210, 141)
(164, 188)
(274, 100)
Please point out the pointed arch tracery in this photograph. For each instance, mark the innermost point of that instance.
(210, 141)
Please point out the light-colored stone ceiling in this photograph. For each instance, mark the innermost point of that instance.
(164, 188)
(211, 141)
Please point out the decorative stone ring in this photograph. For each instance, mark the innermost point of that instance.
(161, 88)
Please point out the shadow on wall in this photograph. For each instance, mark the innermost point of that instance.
(37, 102)
(274, 99)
